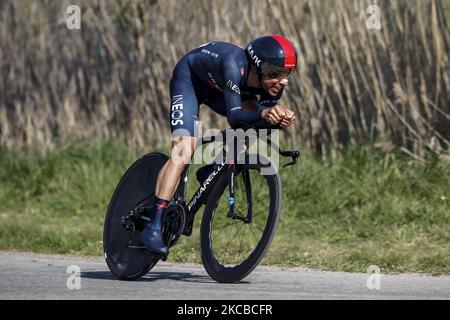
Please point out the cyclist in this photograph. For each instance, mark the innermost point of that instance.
(228, 79)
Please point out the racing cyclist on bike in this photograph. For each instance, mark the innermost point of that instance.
(228, 79)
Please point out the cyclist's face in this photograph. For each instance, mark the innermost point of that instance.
(274, 85)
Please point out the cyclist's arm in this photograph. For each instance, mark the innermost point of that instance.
(267, 101)
(250, 104)
(232, 95)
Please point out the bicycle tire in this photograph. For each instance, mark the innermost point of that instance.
(232, 274)
(136, 187)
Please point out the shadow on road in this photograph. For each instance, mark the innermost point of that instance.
(154, 276)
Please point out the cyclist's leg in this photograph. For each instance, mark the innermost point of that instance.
(183, 120)
(184, 111)
(169, 177)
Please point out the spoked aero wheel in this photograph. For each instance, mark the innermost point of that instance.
(232, 247)
(135, 189)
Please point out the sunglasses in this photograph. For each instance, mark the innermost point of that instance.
(275, 72)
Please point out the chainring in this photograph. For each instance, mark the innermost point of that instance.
(175, 220)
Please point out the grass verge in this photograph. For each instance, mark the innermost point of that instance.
(365, 208)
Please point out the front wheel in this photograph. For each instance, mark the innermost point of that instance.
(232, 247)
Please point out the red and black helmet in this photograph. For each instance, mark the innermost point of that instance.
(273, 56)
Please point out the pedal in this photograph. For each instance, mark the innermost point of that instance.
(163, 257)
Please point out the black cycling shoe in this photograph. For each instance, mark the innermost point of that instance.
(152, 238)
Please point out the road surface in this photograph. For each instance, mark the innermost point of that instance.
(36, 276)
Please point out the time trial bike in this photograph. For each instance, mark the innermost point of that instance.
(242, 209)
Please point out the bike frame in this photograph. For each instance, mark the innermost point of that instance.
(200, 196)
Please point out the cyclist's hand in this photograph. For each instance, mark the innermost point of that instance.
(288, 118)
(273, 115)
(279, 115)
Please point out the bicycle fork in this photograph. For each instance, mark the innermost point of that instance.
(232, 200)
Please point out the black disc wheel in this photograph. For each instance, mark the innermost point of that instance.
(125, 256)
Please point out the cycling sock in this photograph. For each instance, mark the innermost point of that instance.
(160, 205)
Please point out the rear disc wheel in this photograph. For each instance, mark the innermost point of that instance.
(121, 246)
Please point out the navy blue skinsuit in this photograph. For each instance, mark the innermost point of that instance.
(214, 74)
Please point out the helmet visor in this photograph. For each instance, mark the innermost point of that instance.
(275, 72)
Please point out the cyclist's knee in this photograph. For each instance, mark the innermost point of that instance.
(183, 148)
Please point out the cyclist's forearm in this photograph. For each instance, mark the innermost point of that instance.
(237, 116)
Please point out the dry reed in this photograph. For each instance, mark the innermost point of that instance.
(110, 79)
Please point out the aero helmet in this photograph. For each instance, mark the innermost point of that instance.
(273, 56)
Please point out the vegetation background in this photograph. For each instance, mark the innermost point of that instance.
(110, 79)
(373, 105)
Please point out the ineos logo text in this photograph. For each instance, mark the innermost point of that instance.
(253, 56)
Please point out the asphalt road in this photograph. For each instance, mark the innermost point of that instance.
(33, 276)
